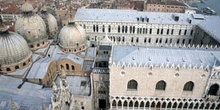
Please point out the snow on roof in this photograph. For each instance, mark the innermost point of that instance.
(211, 26)
(116, 15)
(29, 96)
(39, 68)
(79, 85)
(91, 52)
(131, 55)
(73, 57)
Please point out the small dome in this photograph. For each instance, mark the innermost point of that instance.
(26, 7)
(50, 21)
(14, 50)
(72, 36)
(32, 27)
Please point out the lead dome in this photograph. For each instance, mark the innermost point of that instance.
(50, 21)
(72, 37)
(15, 53)
(32, 27)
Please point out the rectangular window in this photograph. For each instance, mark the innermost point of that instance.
(149, 40)
(172, 32)
(185, 32)
(166, 40)
(156, 40)
(178, 41)
(170, 40)
(180, 32)
(191, 33)
(145, 40)
(189, 41)
(160, 40)
(158, 31)
(168, 31)
(150, 31)
(161, 32)
(132, 39)
(183, 42)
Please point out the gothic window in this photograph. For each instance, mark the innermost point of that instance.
(213, 90)
(102, 90)
(132, 84)
(188, 86)
(161, 85)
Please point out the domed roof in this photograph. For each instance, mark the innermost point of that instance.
(13, 47)
(72, 35)
(50, 21)
(26, 7)
(31, 27)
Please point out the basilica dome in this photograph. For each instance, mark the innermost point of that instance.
(32, 27)
(72, 37)
(50, 21)
(15, 53)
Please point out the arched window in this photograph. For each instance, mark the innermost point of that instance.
(67, 66)
(188, 86)
(213, 90)
(101, 90)
(161, 85)
(132, 84)
(8, 69)
(73, 68)
(16, 67)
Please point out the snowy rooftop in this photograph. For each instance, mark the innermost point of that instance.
(131, 55)
(39, 68)
(116, 15)
(28, 97)
(211, 26)
(79, 85)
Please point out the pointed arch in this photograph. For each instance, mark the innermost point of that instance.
(119, 103)
(114, 103)
(188, 86)
(142, 104)
(212, 106)
(164, 105)
(158, 105)
(174, 105)
(130, 104)
(132, 84)
(169, 105)
(161, 85)
(196, 106)
(180, 105)
(207, 106)
(185, 105)
(136, 104)
(125, 104)
(153, 104)
(213, 90)
(218, 106)
(201, 106)
(191, 105)
(147, 104)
